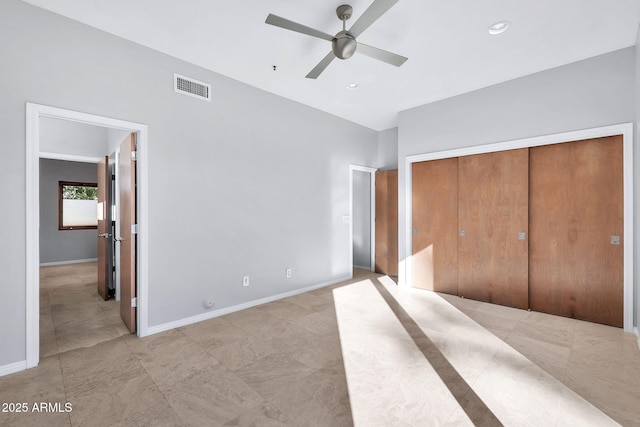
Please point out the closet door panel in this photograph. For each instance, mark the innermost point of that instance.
(435, 225)
(493, 222)
(386, 257)
(576, 212)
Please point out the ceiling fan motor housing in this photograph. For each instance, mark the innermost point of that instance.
(344, 45)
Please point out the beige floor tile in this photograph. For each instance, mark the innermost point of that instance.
(84, 336)
(161, 415)
(41, 384)
(213, 397)
(273, 374)
(575, 411)
(89, 369)
(213, 333)
(316, 399)
(610, 386)
(284, 309)
(242, 352)
(550, 357)
(36, 419)
(264, 415)
(115, 401)
(170, 357)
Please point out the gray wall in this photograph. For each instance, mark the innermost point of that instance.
(388, 149)
(63, 245)
(229, 180)
(362, 219)
(596, 92)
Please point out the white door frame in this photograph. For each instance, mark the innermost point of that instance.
(372, 172)
(33, 114)
(624, 129)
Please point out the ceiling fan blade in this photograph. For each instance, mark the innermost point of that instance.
(371, 15)
(294, 26)
(382, 55)
(313, 74)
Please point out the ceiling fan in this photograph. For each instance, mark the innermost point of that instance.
(344, 43)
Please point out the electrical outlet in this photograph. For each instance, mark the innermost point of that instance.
(288, 273)
(245, 281)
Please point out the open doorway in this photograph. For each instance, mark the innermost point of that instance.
(362, 185)
(38, 118)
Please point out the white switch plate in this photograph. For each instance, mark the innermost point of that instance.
(245, 281)
(288, 273)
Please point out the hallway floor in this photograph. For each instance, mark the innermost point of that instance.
(362, 352)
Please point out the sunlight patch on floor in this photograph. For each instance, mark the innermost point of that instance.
(391, 381)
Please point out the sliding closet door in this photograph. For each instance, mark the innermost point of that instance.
(386, 258)
(576, 253)
(493, 221)
(435, 225)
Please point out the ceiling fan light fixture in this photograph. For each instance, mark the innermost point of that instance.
(499, 27)
(352, 86)
(344, 45)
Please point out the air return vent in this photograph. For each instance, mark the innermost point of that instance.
(191, 87)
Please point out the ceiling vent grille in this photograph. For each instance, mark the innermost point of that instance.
(191, 87)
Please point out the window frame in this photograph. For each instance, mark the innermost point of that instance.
(62, 227)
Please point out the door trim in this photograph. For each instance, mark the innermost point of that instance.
(33, 114)
(624, 129)
(372, 211)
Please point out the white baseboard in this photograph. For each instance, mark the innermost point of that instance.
(221, 312)
(75, 261)
(12, 368)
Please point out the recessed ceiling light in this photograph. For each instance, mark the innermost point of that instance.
(352, 85)
(499, 27)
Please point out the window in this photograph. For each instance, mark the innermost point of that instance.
(77, 205)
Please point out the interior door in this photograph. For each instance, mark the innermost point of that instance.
(127, 185)
(386, 257)
(576, 254)
(104, 237)
(435, 225)
(493, 219)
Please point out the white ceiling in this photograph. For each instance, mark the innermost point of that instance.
(449, 49)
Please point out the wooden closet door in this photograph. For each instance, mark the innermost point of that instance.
(386, 258)
(493, 212)
(576, 208)
(435, 225)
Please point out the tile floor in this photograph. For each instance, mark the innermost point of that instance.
(362, 352)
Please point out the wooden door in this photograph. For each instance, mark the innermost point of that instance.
(576, 266)
(127, 184)
(386, 257)
(104, 237)
(493, 220)
(435, 225)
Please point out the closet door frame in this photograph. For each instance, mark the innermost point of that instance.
(624, 129)
(372, 218)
